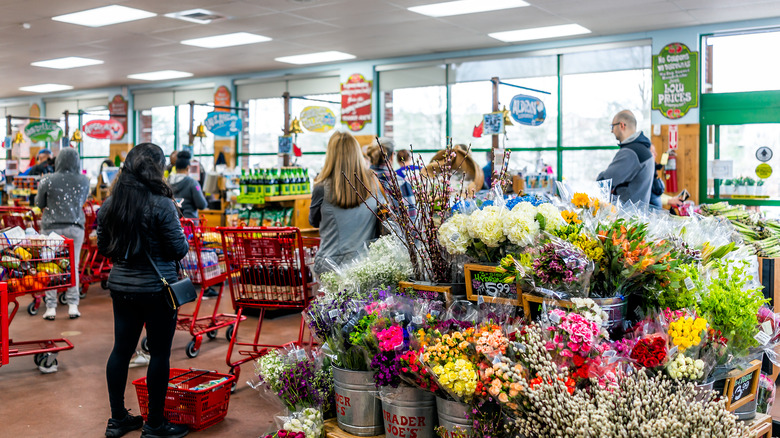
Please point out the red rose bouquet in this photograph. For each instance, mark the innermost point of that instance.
(650, 352)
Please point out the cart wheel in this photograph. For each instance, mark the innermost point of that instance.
(145, 345)
(38, 359)
(229, 333)
(104, 284)
(212, 334)
(234, 372)
(192, 352)
(62, 299)
(33, 307)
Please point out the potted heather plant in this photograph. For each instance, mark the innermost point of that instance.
(760, 188)
(727, 187)
(750, 184)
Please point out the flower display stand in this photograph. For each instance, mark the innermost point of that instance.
(740, 388)
(332, 431)
(450, 292)
(532, 305)
(760, 426)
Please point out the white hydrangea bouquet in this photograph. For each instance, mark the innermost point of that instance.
(489, 233)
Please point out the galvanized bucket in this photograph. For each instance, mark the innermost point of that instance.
(454, 418)
(746, 411)
(358, 410)
(703, 390)
(616, 309)
(409, 412)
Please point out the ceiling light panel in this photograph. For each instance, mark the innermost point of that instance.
(160, 75)
(46, 88)
(314, 58)
(539, 33)
(462, 7)
(104, 16)
(68, 62)
(227, 40)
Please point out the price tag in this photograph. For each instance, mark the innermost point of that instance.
(435, 313)
(762, 338)
(554, 318)
(689, 283)
(334, 313)
(480, 300)
(300, 354)
(400, 317)
(766, 326)
(496, 360)
(417, 320)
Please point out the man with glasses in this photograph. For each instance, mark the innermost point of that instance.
(631, 171)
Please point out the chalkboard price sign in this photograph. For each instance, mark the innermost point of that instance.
(742, 385)
(486, 282)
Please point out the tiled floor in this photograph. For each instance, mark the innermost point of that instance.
(74, 401)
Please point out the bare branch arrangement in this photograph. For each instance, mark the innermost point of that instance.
(434, 198)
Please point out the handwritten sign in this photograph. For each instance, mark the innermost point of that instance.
(318, 119)
(486, 282)
(742, 385)
(118, 110)
(43, 131)
(356, 102)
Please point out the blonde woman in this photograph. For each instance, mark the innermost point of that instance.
(337, 209)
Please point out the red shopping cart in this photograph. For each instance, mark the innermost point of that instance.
(23, 217)
(32, 265)
(205, 265)
(267, 268)
(93, 267)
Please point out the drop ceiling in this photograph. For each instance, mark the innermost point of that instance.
(368, 29)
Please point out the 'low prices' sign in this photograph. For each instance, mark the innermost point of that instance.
(356, 102)
(675, 80)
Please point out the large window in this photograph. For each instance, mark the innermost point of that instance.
(202, 148)
(740, 62)
(265, 124)
(158, 125)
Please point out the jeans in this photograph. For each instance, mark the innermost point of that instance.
(131, 312)
(72, 294)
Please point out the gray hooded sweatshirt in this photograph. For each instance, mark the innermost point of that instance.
(631, 171)
(188, 191)
(62, 194)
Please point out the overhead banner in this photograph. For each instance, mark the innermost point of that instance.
(356, 102)
(117, 107)
(675, 81)
(223, 124)
(104, 129)
(527, 110)
(43, 131)
(318, 119)
(222, 98)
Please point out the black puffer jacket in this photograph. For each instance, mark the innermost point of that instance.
(164, 239)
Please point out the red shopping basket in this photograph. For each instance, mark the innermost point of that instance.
(197, 408)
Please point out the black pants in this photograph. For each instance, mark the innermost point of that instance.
(131, 312)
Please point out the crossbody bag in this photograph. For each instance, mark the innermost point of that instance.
(178, 293)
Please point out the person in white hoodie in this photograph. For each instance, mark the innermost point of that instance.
(186, 190)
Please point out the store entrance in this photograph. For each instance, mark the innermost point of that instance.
(740, 138)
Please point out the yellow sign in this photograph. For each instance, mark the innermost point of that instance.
(764, 171)
(318, 119)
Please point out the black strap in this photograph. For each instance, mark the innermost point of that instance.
(154, 265)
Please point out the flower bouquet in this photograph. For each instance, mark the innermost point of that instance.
(306, 423)
(297, 379)
(650, 351)
(561, 270)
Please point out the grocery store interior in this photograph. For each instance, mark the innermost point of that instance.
(254, 90)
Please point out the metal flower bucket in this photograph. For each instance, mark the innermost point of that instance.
(409, 413)
(358, 410)
(454, 417)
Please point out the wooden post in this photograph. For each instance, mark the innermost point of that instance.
(67, 124)
(494, 80)
(191, 132)
(286, 97)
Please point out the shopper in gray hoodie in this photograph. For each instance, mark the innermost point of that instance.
(186, 190)
(631, 171)
(61, 196)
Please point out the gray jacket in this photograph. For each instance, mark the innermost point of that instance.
(62, 194)
(189, 192)
(342, 231)
(631, 170)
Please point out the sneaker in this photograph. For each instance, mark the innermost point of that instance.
(48, 369)
(210, 293)
(73, 311)
(165, 430)
(140, 359)
(50, 314)
(117, 428)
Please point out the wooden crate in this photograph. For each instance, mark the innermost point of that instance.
(530, 301)
(332, 430)
(760, 426)
(445, 291)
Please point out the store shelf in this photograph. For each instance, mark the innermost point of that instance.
(287, 198)
(309, 230)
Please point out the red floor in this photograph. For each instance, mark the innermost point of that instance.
(74, 401)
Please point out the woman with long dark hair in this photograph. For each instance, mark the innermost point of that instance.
(139, 225)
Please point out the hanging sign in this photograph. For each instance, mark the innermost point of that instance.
(223, 124)
(43, 131)
(117, 107)
(104, 129)
(675, 80)
(317, 119)
(222, 98)
(527, 110)
(356, 102)
(285, 144)
(493, 123)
